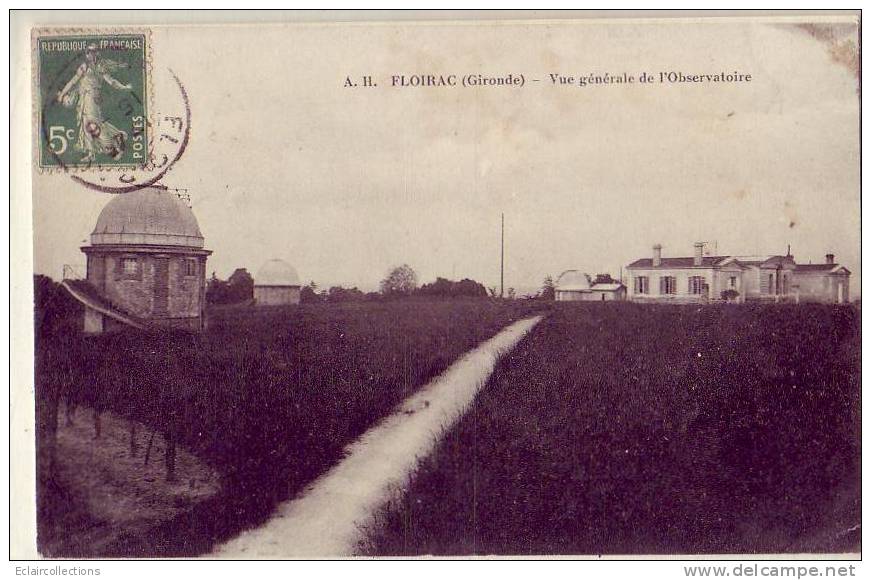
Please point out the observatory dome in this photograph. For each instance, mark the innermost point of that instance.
(149, 216)
(573, 280)
(276, 273)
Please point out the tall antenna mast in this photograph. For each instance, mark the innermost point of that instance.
(502, 262)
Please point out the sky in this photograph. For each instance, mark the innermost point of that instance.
(344, 183)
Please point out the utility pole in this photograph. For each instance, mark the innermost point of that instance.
(502, 263)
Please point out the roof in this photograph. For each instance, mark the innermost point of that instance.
(573, 280)
(87, 294)
(751, 259)
(813, 267)
(687, 262)
(276, 273)
(831, 268)
(613, 287)
(149, 216)
(713, 261)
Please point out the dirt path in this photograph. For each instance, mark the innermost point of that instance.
(114, 487)
(329, 518)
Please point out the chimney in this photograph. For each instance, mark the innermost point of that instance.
(830, 259)
(657, 255)
(697, 256)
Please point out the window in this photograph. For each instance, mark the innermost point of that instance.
(642, 285)
(667, 285)
(697, 285)
(190, 267)
(130, 266)
(733, 282)
(771, 288)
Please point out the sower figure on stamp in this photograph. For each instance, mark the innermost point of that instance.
(85, 91)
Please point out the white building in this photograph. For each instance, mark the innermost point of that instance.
(276, 283)
(574, 286)
(700, 278)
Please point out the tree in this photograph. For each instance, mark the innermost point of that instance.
(467, 287)
(55, 310)
(309, 293)
(548, 288)
(604, 279)
(444, 288)
(340, 294)
(239, 288)
(216, 290)
(400, 281)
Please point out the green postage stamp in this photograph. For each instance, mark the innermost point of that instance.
(92, 95)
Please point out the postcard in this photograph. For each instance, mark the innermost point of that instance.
(480, 286)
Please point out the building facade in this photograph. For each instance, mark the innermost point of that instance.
(276, 283)
(145, 265)
(701, 278)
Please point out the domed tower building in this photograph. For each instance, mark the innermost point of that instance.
(146, 265)
(276, 283)
(572, 285)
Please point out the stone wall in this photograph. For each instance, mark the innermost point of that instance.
(152, 292)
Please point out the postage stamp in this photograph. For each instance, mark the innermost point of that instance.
(93, 95)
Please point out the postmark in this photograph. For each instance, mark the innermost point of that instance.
(170, 128)
(93, 94)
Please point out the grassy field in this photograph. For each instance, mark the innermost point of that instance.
(626, 428)
(267, 397)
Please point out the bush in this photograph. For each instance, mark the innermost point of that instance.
(444, 288)
(729, 295)
(268, 397)
(56, 312)
(653, 429)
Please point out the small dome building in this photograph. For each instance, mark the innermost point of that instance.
(574, 285)
(146, 265)
(276, 283)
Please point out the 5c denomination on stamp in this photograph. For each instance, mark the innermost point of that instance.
(93, 95)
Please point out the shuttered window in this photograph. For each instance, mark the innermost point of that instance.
(696, 285)
(642, 285)
(667, 285)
